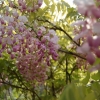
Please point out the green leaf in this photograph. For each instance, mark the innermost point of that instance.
(47, 2)
(2, 65)
(97, 61)
(72, 92)
(42, 11)
(58, 7)
(90, 96)
(53, 8)
(96, 76)
(86, 79)
(47, 97)
(96, 87)
(66, 4)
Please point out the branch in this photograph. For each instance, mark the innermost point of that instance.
(52, 86)
(15, 86)
(59, 28)
(73, 69)
(17, 76)
(67, 73)
(71, 53)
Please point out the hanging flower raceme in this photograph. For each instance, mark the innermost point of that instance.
(88, 30)
(32, 48)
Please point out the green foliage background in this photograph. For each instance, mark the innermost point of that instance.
(65, 80)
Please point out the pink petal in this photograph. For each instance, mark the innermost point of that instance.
(78, 23)
(90, 58)
(96, 28)
(85, 47)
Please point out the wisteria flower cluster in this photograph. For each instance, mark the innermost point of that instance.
(88, 30)
(26, 5)
(32, 48)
